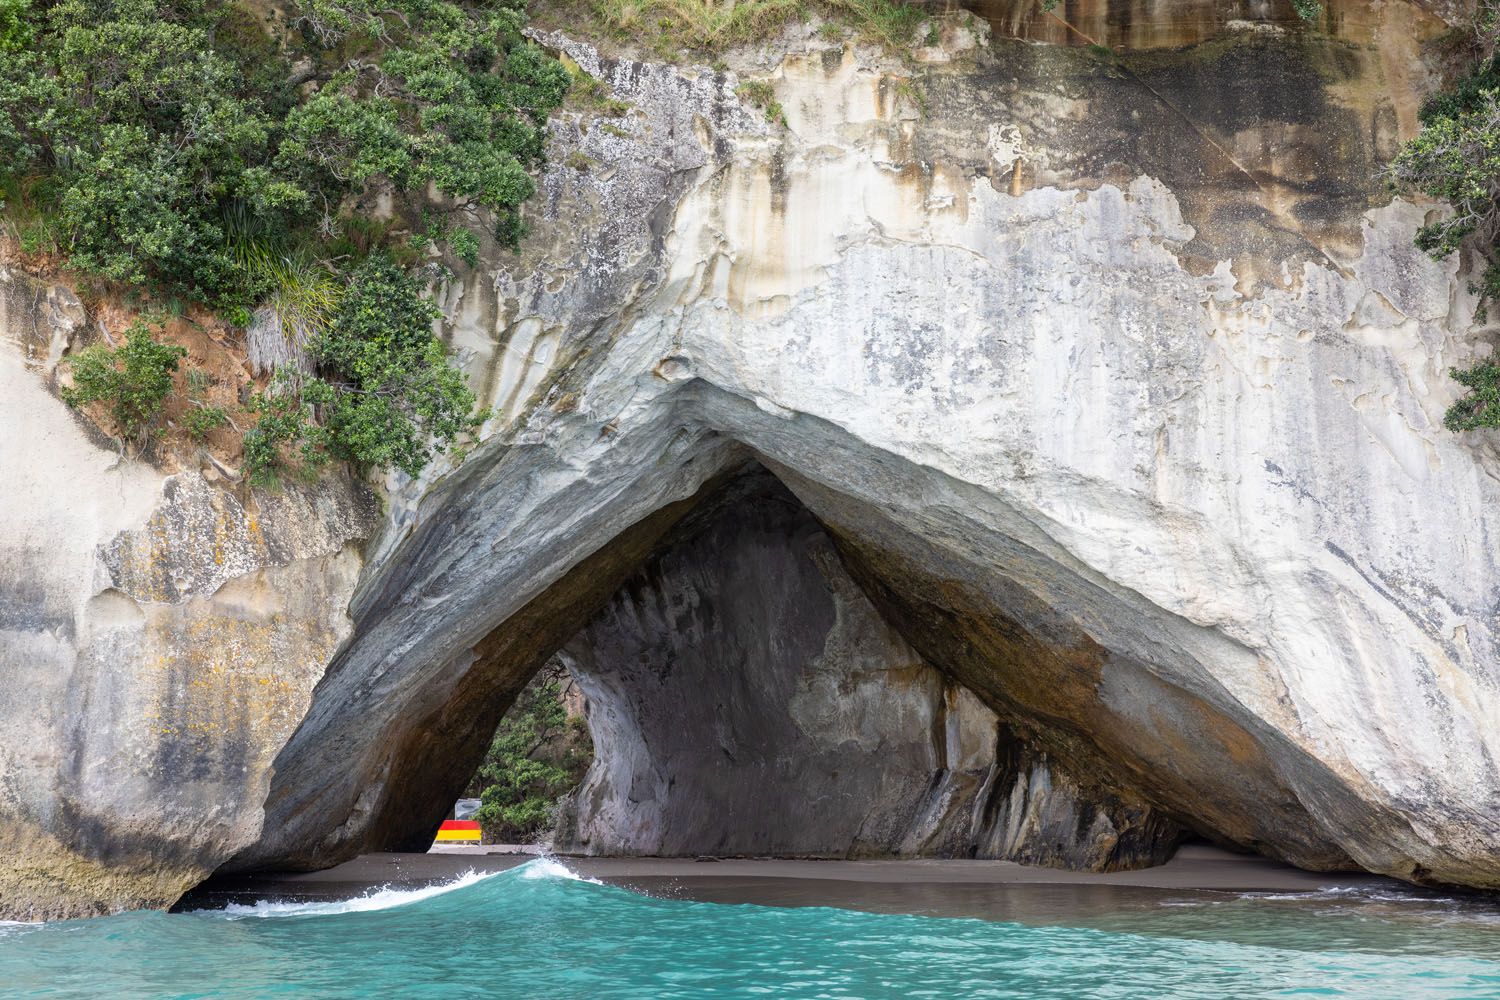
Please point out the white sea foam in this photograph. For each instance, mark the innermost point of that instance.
(1392, 903)
(1373, 895)
(380, 899)
(545, 867)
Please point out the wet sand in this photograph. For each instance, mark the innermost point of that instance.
(996, 890)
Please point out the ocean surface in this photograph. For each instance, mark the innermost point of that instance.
(539, 931)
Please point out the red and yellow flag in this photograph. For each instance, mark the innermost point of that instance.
(462, 831)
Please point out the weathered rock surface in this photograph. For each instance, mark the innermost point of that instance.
(159, 640)
(1115, 381)
(1118, 390)
(745, 697)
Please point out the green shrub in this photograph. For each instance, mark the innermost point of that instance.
(173, 132)
(671, 25)
(1456, 158)
(1481, 406)
(133, 379)
(385, 395)
(1308, 10)
(537, 756)
(465, 246)
(761, 94)
(284, 437)
(200, 420)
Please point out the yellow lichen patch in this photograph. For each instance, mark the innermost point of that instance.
(45, 879)
(229, 677)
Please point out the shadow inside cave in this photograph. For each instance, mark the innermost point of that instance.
(746, 698)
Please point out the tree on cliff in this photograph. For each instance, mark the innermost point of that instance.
(170, 136)
(538, 754)
(1456, 157)
(384, 390)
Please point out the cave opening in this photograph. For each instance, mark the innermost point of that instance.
(779, 664)
(745, 697)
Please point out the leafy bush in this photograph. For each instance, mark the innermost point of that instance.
(134, 379)
(385, 395)
(1481, 406)
(761, 94)
(176, 131)
(201, 417)
(200, 420)
(537, 756)
(1456, 157)
(172, 145)
(151, 115)
(692, 24)
(280, 440)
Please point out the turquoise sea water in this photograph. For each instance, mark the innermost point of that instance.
(540, 932)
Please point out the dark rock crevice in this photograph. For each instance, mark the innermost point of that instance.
(747, 698)
(333, 803)
(1069, 698)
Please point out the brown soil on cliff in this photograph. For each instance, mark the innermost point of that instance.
(215, 372)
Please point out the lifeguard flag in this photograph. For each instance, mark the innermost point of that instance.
(460, 830)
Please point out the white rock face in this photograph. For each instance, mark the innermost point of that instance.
(159, 640)
(1118, 387)
(1191, 520)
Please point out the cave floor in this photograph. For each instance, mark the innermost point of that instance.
(992, 890)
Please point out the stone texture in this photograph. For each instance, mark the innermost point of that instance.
(745, 697)
(1116, 383)
(159, 640)
(1152, 466)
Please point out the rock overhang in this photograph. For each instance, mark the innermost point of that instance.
(1056, 355)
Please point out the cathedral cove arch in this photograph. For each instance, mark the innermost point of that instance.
(746, 698)
(1027, 445)
(1025, 736)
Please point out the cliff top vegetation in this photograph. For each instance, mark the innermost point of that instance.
(196, 151)
(305, 163)
(1456, 158)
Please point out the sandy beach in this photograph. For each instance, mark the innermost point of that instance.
(988, 889)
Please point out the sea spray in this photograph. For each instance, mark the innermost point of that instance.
(384, 898)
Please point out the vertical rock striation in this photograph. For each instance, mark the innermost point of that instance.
(746, 698)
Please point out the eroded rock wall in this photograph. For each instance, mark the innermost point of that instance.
(1116, 380)
(745, 697)
(159, 640)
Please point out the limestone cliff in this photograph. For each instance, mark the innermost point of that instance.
(1113, 380)
(159, 640)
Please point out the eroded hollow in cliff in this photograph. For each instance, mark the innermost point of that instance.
(746, 697)
(779, 667)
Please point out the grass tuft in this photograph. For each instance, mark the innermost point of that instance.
(708, 25)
